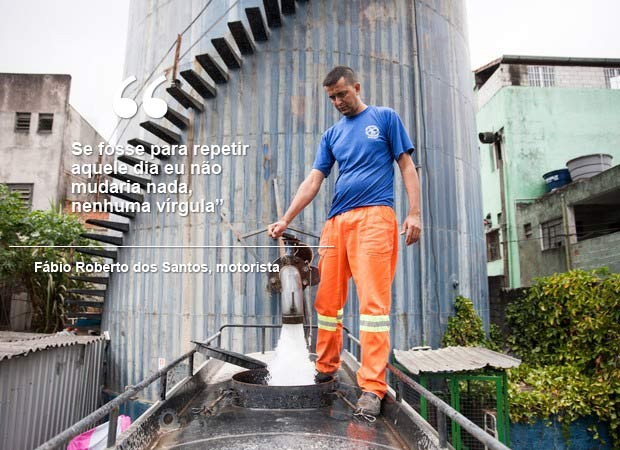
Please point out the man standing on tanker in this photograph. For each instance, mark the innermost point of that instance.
(361, 231)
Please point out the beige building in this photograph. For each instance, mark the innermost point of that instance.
(37, 128)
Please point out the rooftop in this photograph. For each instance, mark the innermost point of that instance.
(482, 74)
(453, 359)
(20, 344)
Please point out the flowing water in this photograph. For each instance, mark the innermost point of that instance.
(291, 365)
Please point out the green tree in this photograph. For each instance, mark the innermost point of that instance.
(18, 226)
(13, 219)
(465, 326)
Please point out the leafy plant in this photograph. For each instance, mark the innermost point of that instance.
(34, 230)
(465, 327)
(567, 330)
(496, 339)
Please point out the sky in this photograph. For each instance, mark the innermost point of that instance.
(87, 39)
(83, 38)
(584, 28)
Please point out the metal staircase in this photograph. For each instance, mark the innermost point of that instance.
(197, 87)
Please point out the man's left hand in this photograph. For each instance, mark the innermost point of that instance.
(411, 228)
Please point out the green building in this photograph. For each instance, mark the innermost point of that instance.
(534, 115)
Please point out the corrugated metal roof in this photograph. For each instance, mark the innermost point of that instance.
(453, 359)
(10, 336)
(34, 343)
(47, 391)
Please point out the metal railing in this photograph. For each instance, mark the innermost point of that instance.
(111, 408)
(443, 409)
(353, 346)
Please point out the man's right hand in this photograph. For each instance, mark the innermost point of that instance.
(306, 192)
(276, 229)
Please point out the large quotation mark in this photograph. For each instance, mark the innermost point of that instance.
(154, 107)
(126, 108)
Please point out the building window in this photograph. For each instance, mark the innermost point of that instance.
(552, 235)
(493, 253)
(594, 220)
(24, 191)
(612, 78)
(540, 76)
(22, 121)
(46, 120)
(527, 230)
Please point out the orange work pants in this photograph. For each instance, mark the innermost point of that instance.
(365, 246)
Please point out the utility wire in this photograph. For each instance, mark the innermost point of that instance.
(196, 18)
(155, 69)
(579, 235)
(209, 29)
(588, 224)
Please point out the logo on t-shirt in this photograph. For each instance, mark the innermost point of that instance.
(372, 131)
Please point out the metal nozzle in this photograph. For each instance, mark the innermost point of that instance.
(291, 296)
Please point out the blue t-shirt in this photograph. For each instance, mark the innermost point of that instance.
(365, 147)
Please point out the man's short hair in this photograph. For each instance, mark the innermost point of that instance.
(340, 72)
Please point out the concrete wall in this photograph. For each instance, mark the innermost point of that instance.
(500, 78)
(585, 254)
(564, 77)
(533, 260)
(598, 252)
(493, 119)
(33, 157)
(549, 126)
(42, 158)
(580, 77)
(543, 128)
(78, 130)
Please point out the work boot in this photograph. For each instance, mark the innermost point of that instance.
(323, 377)
(369, 404)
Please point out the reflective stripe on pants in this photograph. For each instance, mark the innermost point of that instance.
(365, 242)
(329, 323)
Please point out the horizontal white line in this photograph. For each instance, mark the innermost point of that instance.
(164, 246)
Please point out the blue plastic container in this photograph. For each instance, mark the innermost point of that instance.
(556, 179)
